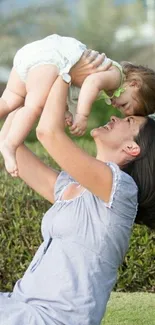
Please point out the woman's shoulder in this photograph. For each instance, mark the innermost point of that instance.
(124, 188)
(123, 176)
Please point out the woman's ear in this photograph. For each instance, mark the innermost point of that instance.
(131, 148)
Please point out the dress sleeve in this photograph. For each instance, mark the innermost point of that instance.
(63, 180)
(124, 195)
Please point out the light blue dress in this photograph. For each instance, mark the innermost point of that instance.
(70, 278)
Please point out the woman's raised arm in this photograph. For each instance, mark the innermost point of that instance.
(36, 174)
(88, 171)
(32, 171)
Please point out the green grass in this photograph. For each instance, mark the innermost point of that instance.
(130, 309)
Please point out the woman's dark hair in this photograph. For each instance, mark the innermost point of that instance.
(142, 170)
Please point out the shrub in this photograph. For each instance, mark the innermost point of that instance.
(138, 270)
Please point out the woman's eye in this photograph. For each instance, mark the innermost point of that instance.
(130, 119)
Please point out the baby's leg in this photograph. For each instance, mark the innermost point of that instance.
(38, 85)
(13, 95)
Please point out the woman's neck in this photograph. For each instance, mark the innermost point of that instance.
(114, 157)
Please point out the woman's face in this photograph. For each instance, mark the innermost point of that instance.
(117, 131)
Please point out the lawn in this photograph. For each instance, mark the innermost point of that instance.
(130, 309)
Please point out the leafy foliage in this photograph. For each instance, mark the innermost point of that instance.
(138, 270)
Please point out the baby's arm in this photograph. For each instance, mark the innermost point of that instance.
(93, 84)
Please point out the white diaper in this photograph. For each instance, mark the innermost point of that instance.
(63, 52)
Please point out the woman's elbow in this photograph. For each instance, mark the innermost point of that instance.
(40, 134)
(43, 134)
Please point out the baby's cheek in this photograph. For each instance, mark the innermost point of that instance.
(124, 112)
(129, 112)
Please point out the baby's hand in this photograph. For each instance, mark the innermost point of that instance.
(68, 118)
(80, 124)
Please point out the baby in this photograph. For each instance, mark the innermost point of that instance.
(35, 68)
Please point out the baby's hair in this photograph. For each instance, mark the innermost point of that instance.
(146, 79)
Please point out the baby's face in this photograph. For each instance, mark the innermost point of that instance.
(128, 102)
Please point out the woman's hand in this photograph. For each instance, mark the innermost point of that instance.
(89, 63)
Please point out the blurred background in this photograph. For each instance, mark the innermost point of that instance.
(124, 30)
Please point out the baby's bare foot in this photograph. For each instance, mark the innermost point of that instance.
(9, 155)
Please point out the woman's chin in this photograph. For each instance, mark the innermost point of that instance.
(93, 132)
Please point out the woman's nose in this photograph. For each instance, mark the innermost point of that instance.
(114, 118)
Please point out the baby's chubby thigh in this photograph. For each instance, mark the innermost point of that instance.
(39, 81)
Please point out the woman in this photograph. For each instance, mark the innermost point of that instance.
(86, 232)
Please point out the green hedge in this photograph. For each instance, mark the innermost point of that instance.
(21, 211)
(138, 270)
